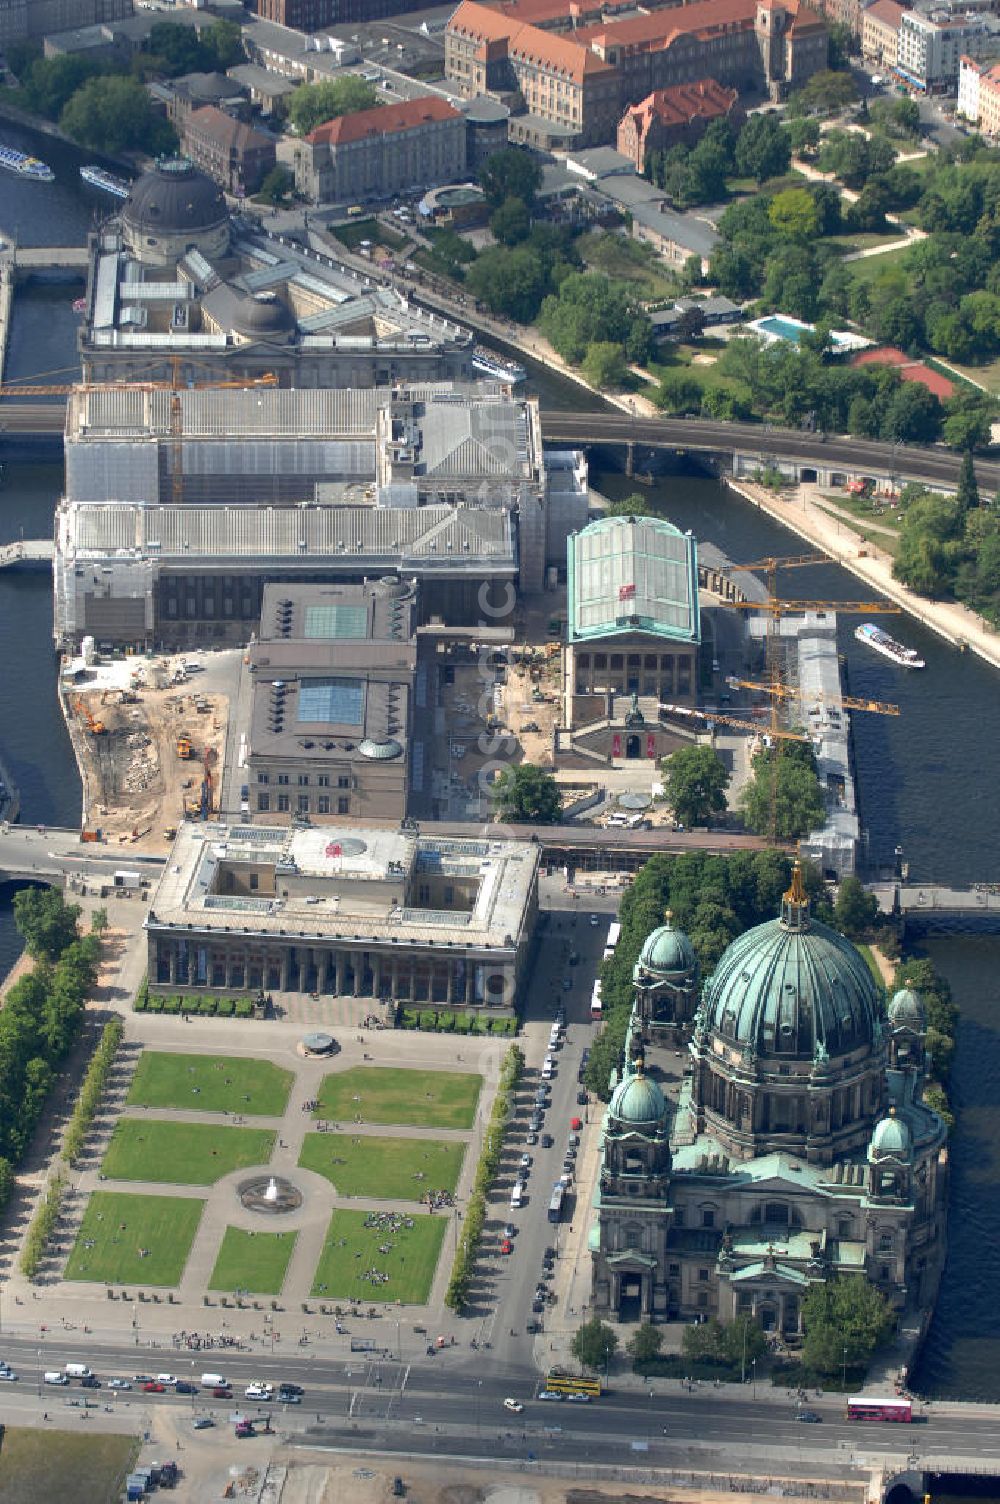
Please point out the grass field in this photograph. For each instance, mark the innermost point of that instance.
(182, 1153)
(351, 1250)
(872, 266)
(119, 1225)
(358, 230)
(38, 1466)
(379, 1094)
(252, 1261)
(627, 260)
(385, 1169)
(210, 1083)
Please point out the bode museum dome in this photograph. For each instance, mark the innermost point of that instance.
(792, 1146)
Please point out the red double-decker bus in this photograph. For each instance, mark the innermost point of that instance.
(861, 1408)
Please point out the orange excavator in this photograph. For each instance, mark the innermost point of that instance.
(94, 726)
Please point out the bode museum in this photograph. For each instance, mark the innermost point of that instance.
(795, 1146)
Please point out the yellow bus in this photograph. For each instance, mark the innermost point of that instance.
(561, 1383)
(355, 211)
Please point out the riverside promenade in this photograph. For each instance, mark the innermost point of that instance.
(866, 561)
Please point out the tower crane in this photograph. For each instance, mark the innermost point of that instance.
(687, 713)
(786, 692)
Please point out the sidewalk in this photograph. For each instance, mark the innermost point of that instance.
(802, 515)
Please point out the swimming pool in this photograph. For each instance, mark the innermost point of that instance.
(783, 328)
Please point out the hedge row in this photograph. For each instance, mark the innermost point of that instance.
(92, 1090)
(43, 1224)
(430, 1021)
(486, 1171)
(209, 1007)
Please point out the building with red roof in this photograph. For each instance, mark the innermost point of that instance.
(574, 76)
(394, 148)
(909, 370)
(675, 117)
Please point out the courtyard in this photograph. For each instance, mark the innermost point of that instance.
(419, 1099)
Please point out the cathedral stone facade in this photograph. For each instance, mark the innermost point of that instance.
(797, 1149)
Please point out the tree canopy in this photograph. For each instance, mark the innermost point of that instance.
(763, 149)
(311, 105)
(734, 1343)
(695, 780)
(594, 1344)
(526, 794)
(855, 910)
(115, 114)
(46, 922)
(783, 798)
(590, 308)
(644, 1345)
(844, 1321)
(511, 173)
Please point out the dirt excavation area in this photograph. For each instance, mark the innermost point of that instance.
(150, 737)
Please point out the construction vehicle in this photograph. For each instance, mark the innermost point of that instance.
(184, 750)
(94, 726)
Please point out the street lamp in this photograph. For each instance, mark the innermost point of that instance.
(843, 1377)
(753, 1370)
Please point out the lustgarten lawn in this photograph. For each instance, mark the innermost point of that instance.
(385, 1169)
(383, 1261)
(134, 1240)
(379, 1094)
(182, 1153)
(256, 1262)
(210, 1083)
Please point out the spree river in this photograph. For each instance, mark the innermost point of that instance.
(925, 777)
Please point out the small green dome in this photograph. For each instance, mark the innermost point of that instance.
(668, 951)
(891, 1139)
(906, 1011)
(637, 1099)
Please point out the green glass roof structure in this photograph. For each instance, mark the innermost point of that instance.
(632, 574)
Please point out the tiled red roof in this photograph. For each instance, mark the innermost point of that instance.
(562, 54)
(682, 103)
(226, 130)
(886, 11)
(384, 120)
(909, 370)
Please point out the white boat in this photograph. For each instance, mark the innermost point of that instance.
(874, 637)
(98, 178)
(25, 166)
(489, 363)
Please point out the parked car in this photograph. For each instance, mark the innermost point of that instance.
(119, 1384)
(203, 1423)
(578, 1399)
(154, 1388)
(525, 1161)
(509, 1230)
(8, 1376)
(513, 1405)
(222, 1392)
(533, 1328)
(582, 1098)
(184, 1386)
(290, 1388)
(90, 1381)
(259, 1391)
(550, 1394)
(547, 1141)
(531, 1137)
(506, 1246)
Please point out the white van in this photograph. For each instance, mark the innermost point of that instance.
(55, 1378)
(214, 1381)
(555, 1039)
(548, 1065)
(517, 1195)
(77, 1371)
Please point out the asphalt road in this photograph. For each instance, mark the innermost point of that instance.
(454, 1403)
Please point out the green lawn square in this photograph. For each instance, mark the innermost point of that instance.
(120, 1225)
(210, 1083)
(182, 1153)
(379, 1094)
(382, 1168)
(351, 1253)
(256, 1262)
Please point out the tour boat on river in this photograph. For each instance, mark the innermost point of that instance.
(25, 166)
(874, 637)
(98, 178)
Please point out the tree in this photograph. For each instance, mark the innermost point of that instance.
(116, 115)
(803, 134)
(175, 48)
(695, 780)
(845, 1320)
(511, 223)
(634, 505)
(510, 173)
(511, 282)
(678, 393)
(793, 214)
(277, 186)
(589, 308)
(643, 1345)
(527, 794)
(46, 921)
(826, 93)
(968, 488)
(594, 1344)
(224, 40)
(604, 365)
(856, 910)
(783, 799)
(98, 922)
(691, 324)
(311, 105)
(763, 149)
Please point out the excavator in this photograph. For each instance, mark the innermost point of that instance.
(94, 726)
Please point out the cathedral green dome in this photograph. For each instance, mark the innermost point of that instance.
(891, 1138)
(637, 1099)
(668, 951)
(906, 1011)
(792, 989)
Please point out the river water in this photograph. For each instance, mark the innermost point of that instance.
(924, 777)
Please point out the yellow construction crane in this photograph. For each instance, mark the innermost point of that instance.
(175, 386)
(685, 712)
(787, 692)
